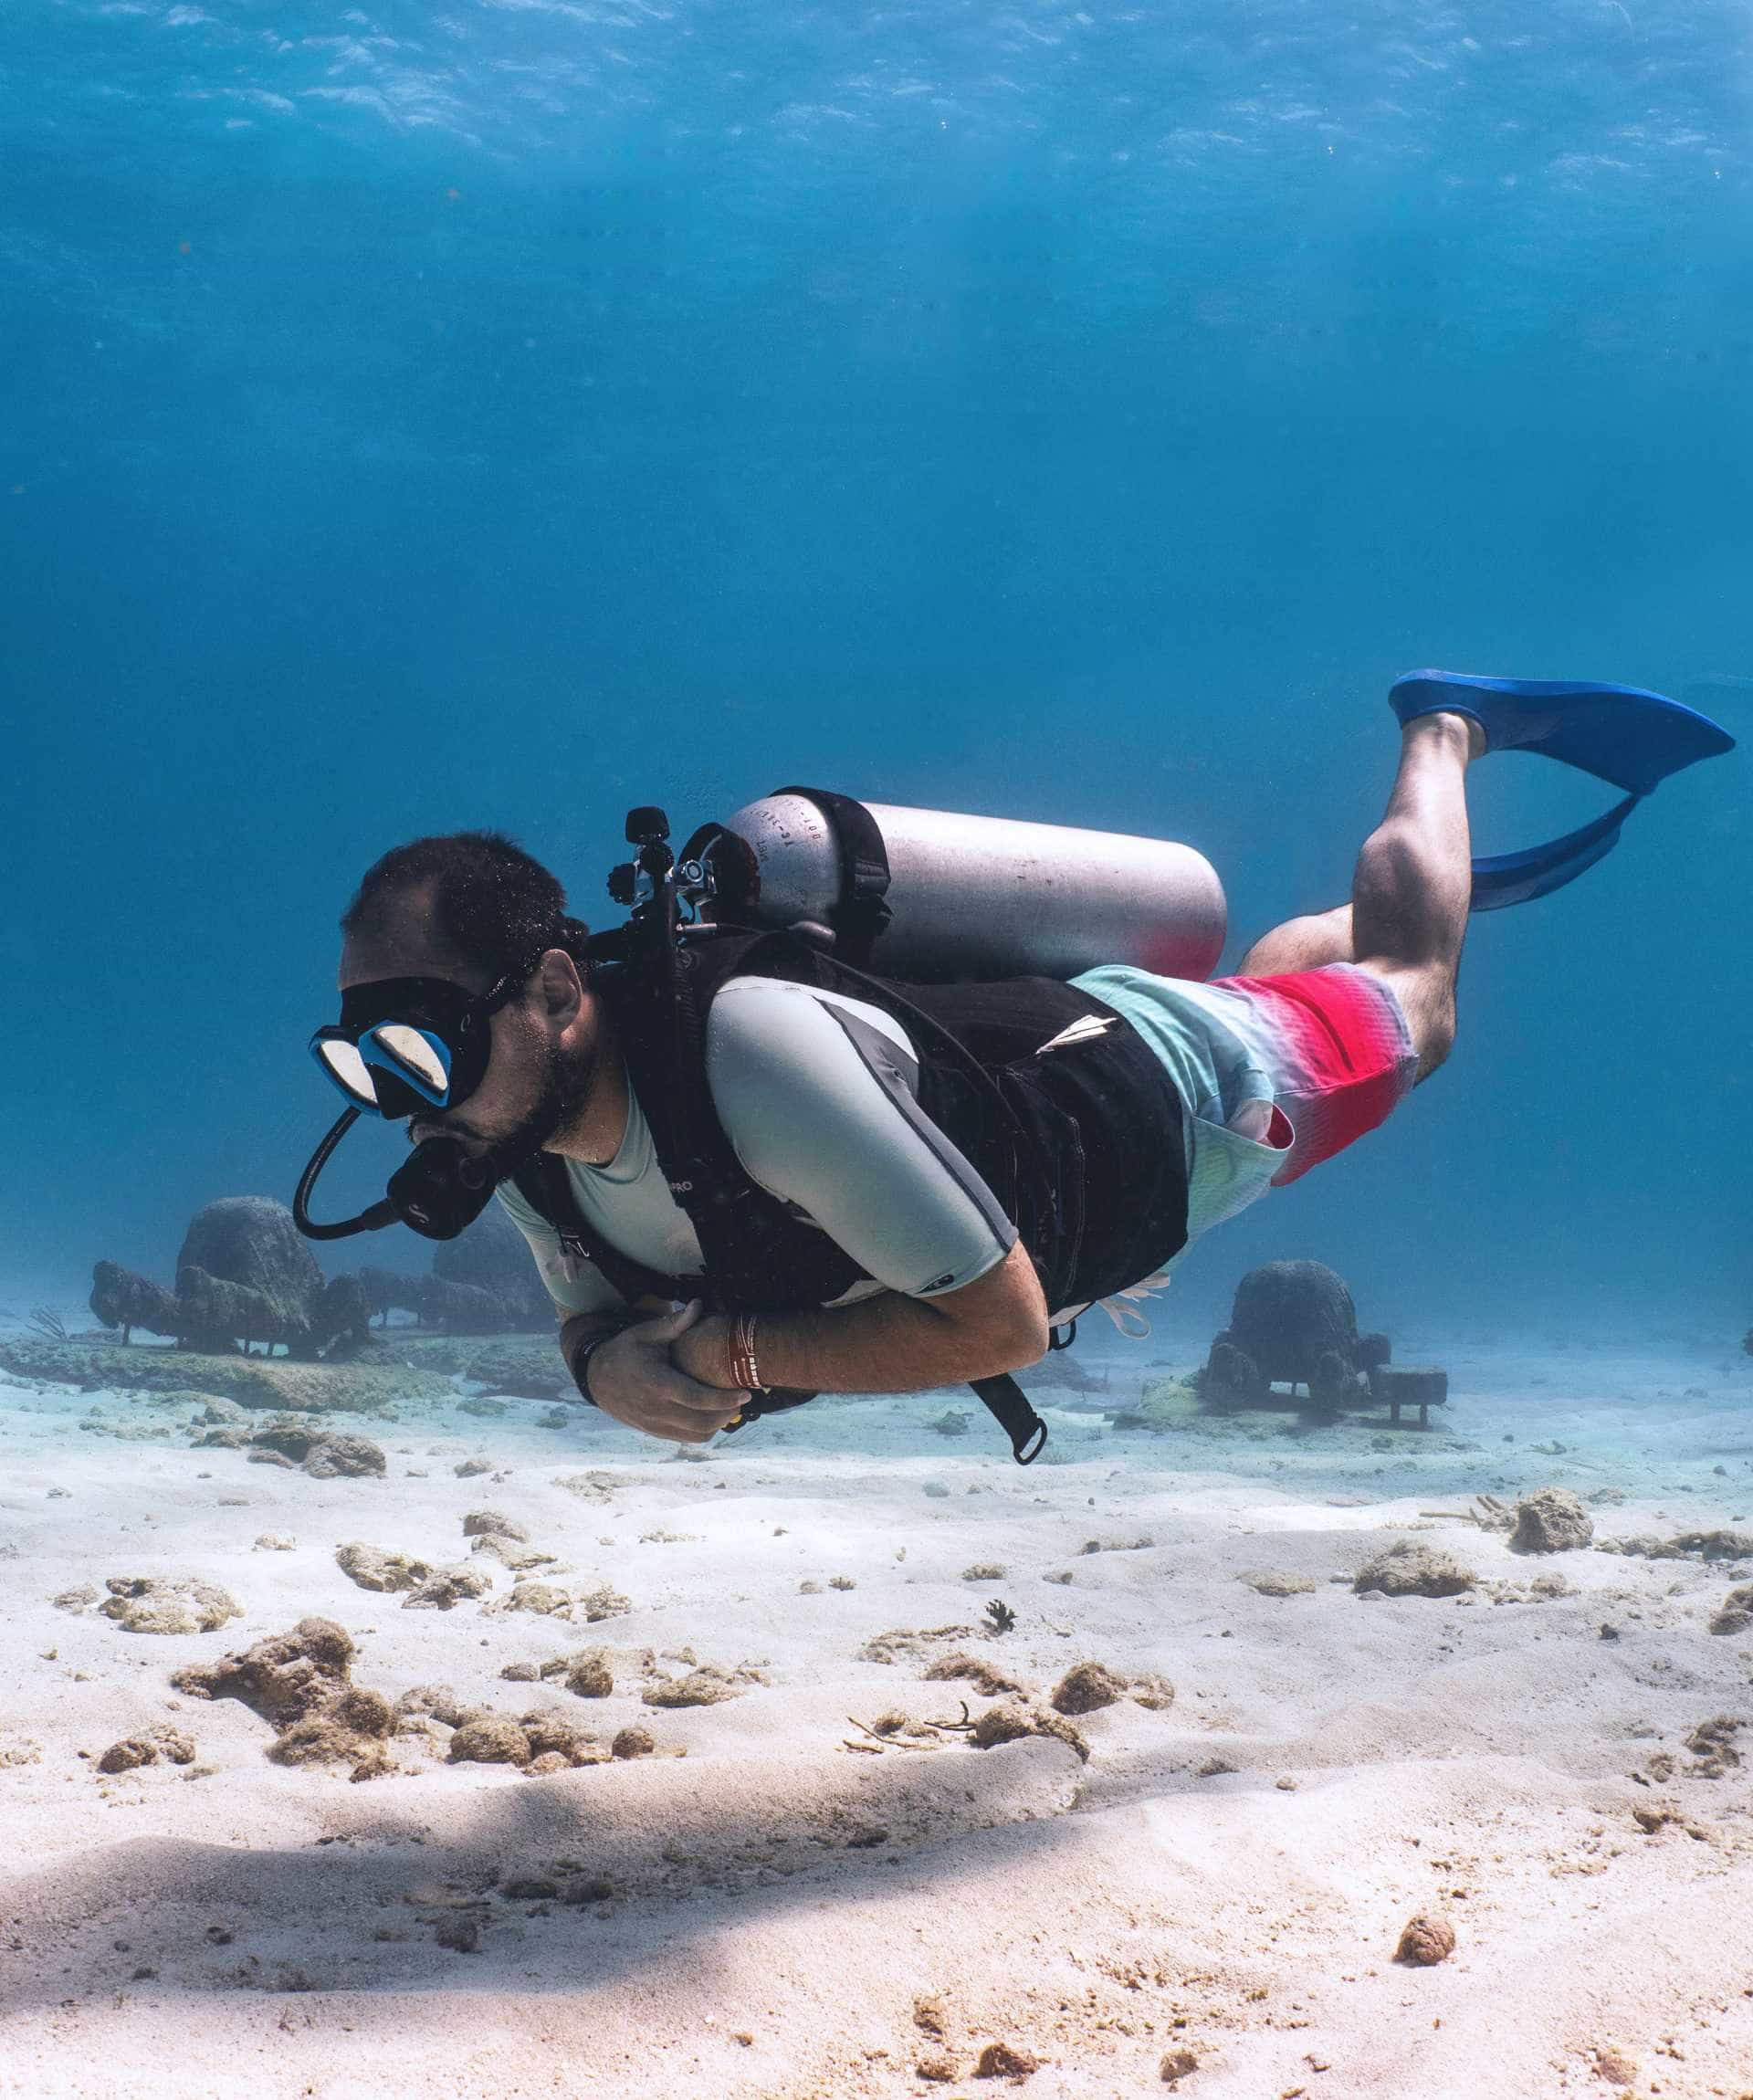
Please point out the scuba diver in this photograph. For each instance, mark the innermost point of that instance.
(751, 1169)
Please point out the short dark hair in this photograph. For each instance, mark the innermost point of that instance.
(494, 907)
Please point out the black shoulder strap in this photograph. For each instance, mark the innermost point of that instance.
(546, 1186)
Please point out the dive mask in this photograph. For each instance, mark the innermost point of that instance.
(407, 1043)
(404, 1045)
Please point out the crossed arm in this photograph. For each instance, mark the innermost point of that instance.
(891, 1343)
(818, 1102)
(669, 1374)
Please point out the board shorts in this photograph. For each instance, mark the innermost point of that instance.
(1337, 1047)
(1328, 1051)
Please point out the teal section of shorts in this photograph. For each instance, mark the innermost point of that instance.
(1215, 1073)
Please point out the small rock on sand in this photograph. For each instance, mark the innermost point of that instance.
(509, 1554)
(999, 2060)
(167, 1604)
(633, 1742)
(281, 1679)
(1711, 1744)
(1428, 1938)
(540, 1740)
(489, 1739)
(705, 1687)
(444, 1588)
(1718, 1545)
(468, 1468)
(302, 1683)
(1733, 1615)
(553, 1734)
(900, 1641)
(1406, 1569)
(1087, 1686)
(545, 1599)
(1009, 1723)
(339, 1457)
(376, 1568)
(146, 1746)
(593, 1486)
(700, 1688)
(548, 1600)
(353, 1731)
(587, 1676)
(324, 1454)
(290, 1435)
(492, 1524)
(275, 1542)
(987, 1678)
(1177, 2064)
(1550, 1520)
(438, 1700)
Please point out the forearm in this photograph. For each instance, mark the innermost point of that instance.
(887, 1344)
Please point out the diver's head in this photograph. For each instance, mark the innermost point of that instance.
(459, 952)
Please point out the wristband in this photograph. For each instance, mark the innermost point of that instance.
(581, 1363)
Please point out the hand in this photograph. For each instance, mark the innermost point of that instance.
(633, 1380)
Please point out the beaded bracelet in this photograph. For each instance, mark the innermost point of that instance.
(745, 1371)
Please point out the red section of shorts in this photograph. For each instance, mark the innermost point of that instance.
(1339, 1061)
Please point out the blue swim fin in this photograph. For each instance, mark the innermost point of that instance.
(1501, 878)
(1622, 734)
(1631, 739)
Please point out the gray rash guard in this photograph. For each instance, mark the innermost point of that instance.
(817, 1095)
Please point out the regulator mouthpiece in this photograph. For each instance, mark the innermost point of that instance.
(438, 1191)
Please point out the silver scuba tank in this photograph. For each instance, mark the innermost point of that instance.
(976, 897)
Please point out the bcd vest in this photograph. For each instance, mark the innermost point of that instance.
(1082, 1146)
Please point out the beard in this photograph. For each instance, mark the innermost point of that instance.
(565, 1087)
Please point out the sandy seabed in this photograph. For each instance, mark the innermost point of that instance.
(1210, 1904)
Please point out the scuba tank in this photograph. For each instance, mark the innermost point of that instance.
(942, 896)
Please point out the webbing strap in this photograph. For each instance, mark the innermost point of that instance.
(1010, 1406)
(546, 1188)
(861, 911)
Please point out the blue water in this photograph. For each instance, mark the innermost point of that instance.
(502, 414)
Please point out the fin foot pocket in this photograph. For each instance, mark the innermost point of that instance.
(1630, 738)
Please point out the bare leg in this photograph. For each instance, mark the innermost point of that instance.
(1409, 892)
